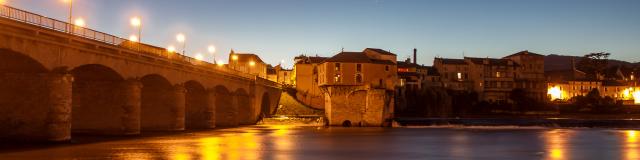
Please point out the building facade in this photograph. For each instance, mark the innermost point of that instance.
(247, 63)
(359, 87)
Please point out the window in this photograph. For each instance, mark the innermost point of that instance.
(337, 78)
(459, 76)
(338, 67)
(358, 67)
(498, 75)
(386, 68)
(359, 78)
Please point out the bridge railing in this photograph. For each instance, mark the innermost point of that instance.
(61, 26)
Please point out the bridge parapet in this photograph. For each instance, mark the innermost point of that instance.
(112, 40)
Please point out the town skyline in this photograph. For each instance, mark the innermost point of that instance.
(436, 28)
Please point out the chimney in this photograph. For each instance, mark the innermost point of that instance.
(415, 56)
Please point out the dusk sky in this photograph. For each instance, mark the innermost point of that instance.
(281, 29)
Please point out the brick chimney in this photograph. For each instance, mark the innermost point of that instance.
(415, 56)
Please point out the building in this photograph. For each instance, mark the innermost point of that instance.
(359, 69)
(305, 75)
(359, 87)
(494, 79)
(618, 83)
(283, 76)
(247, 63)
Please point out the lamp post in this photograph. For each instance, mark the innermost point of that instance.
(136, 22)
(212, 51)
(69, 29)
(182, 39)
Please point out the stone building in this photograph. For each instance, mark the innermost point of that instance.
(359, 87)
(247, 63)
(280, 75)
(305, 75)
(618, 83)
(493, 79)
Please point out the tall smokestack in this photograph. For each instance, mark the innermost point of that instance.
(415, 56)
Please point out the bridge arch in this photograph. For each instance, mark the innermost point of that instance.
(14, 62)
(226, 111)
(198, 109)
(100, 101)
(265, 105)
(162, 108)
(245, 111)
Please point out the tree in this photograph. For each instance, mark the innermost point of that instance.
(593, 64)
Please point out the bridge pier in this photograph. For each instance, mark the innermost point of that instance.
(35, 107)
(177, 104)
(131, 94)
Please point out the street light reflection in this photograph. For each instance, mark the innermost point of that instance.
(631, 145)
(556, 142)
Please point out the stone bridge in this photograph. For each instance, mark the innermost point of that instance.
(58, 79)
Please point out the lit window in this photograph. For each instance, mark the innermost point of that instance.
(337, 66)
(459, 76)
(498, 74)
(337, 78)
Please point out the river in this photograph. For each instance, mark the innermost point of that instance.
(320, 143)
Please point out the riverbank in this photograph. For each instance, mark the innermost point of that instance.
(526, 121)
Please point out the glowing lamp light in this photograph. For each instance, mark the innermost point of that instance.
(3, 1)
(636, 97)
(211, 49)
(199, 57)
(135, 21)
(133, 38)
(171, 49)
(555, 93)
(252, 63)
(80, 22)
(220, 63)
(180, 37)
(234, 57)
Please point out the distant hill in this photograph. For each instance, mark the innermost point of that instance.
(555, 62)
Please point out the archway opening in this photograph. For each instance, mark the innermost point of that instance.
(265, 106)
(23, 96)
(97, 100)
(156, 111)
(199, 113)
(346, 123)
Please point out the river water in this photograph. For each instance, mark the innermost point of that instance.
(289, 142)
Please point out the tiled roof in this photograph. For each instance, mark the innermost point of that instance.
(379, 51)
(452, 61)
(525, 52)
(355, 57)
(492, 61)
(246, 57)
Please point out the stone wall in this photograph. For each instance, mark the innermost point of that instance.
(358, 106)
(35, 107)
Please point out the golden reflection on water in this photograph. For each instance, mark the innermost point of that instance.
(631, 145)
(556, 144)
(244, 145)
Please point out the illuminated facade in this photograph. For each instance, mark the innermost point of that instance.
(627, 92)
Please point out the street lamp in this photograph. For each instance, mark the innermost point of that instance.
(182, 39)
(136, 22)
(70, 13)
(212, 51)
(251, 64)
(171, 49)
(235, 61)
(79, 22)
(133, 38)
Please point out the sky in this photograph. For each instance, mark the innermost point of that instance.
(279, 30)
